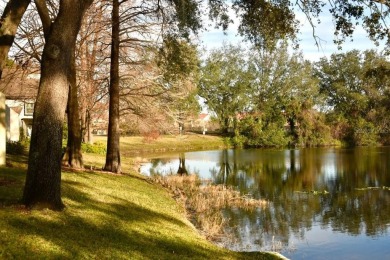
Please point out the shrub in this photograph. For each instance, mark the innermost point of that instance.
(15, 148)
(272, 136)
(365, 133)
(257, 134)
(150, 136)
(239, 141)
(96, 148)
(313, 131)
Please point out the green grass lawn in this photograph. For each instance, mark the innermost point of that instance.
(137, 145)
(135, 149)
(106, 217)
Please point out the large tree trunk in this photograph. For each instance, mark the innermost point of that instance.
(10, 20)
(225, 125)
(43, 180)
(113, 162)
(73, 156)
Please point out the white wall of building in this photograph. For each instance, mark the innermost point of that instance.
(2, 129)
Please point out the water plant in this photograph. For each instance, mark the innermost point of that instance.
(205, 201)
(373, 188)
(314, 192)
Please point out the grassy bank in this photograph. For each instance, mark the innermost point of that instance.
(107, 216)
(138, 145)
(135, 149)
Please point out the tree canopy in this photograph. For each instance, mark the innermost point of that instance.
(264, 23)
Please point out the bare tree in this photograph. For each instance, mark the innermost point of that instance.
(113, 161)
(135, 17)
(84, 94)
(93, 66)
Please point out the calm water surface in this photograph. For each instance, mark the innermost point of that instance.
(346, 222)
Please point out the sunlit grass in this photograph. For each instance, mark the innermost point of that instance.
(106, 217)
(136, 145)
(134, 149)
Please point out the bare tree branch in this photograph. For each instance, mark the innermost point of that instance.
(43, 12)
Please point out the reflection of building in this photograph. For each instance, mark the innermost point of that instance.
(20, 89)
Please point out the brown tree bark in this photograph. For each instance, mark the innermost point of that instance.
(73, 156)
(10, 20)
(43, 180)
(113, 162)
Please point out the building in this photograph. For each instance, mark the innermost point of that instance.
(20, 88)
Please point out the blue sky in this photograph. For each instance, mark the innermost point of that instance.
(325, 31)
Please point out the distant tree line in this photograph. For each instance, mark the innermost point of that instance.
(276, 98)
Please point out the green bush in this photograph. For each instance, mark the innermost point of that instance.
(238, 141)
(272, 135)
(255, 134)
(96, 148)
(313, 131)
(364, 133)
(15, 148)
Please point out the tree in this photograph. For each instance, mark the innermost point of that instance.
(262, 22)
(10, 20)
(285, 91)
(43, 180)
(356, 86)
(225, 84)
(93, 67)
(29, 43)
(129, 29)
(73, 156)
(113, 162)
(178, 62)
(80, 85)
(158, 87)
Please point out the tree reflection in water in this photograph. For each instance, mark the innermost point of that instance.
(291, 179)
(294, 182)
(182, 165)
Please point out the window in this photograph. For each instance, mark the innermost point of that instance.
(28, 109)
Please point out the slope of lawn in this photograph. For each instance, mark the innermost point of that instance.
(140, 145)
(136, 149)
(106, 217)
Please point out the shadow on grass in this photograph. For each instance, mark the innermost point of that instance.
(75, 237)
(17, 161)
(11, 184)
(102, 220)
(115, 229)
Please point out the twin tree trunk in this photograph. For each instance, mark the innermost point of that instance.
(10, 20)
(73, 156)
(113, 162)
(43, 180)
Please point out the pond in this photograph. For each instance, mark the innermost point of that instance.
(324, 202)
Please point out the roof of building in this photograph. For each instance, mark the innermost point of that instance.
(19, 84)
(203, 116)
